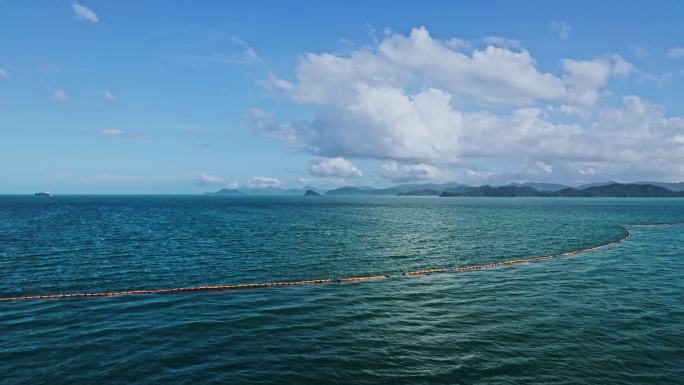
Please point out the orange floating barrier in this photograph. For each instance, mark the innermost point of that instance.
(423, 272)
(357, 279)
(338, 280)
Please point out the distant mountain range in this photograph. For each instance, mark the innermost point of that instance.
(549, 187)
(529, 189)
(489, 191)
(265, 191)
(631, 190)
(426, 192)
(678, 187)
(396, 190)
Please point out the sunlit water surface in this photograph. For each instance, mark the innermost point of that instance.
(614, 316)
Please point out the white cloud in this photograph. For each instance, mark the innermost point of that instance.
(112, 132)
(84, 13)
(426, 110)
(675, 53)
(503, 42)
(262, 182)
(494, 75)
(399, 61)
(397, 172)
(3, 73)
(109, 96)
(259, 113)
(586, 171)
(621, 67)
(563, 29)
(381, 123)
(119, 133)
(586, 78)
(335, 168)
(458, 44)
(544, 167)
(276, 83)
(59, 96)
(263, 122)
(206, 179)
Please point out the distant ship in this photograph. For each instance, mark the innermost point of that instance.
(43, 194)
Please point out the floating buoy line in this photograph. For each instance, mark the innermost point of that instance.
(628, 235)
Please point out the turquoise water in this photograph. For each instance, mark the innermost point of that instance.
(614, 316)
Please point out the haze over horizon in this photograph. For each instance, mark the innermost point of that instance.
(144, 97)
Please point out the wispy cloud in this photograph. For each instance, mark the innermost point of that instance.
(544, 167)
(402, 172)
(59, 96)
(263, 181)
(563, 29)
(48, 69)
(220, 58)
(3, 73)
(201, 47)
(639, 51)
(113, 132)
(83, 13)
(109, 96)
(675, 53)
(205, 179)
(204, 144)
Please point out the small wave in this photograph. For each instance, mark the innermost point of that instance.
(628, 234)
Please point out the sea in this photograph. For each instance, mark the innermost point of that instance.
(611, 316)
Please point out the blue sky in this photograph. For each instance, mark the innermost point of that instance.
(185, 97)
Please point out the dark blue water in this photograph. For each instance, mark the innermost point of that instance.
(615, 316)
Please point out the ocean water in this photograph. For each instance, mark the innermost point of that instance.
(613, 316)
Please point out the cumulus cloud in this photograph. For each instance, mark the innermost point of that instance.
(493, 75)
(382, 122)
(675, 53)
(109, 96)
(83, 13)
(421, 106)
(335, 168)
(263, 182)
(59, 96)
(3, 73)
(563, 29)
(585, 79)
